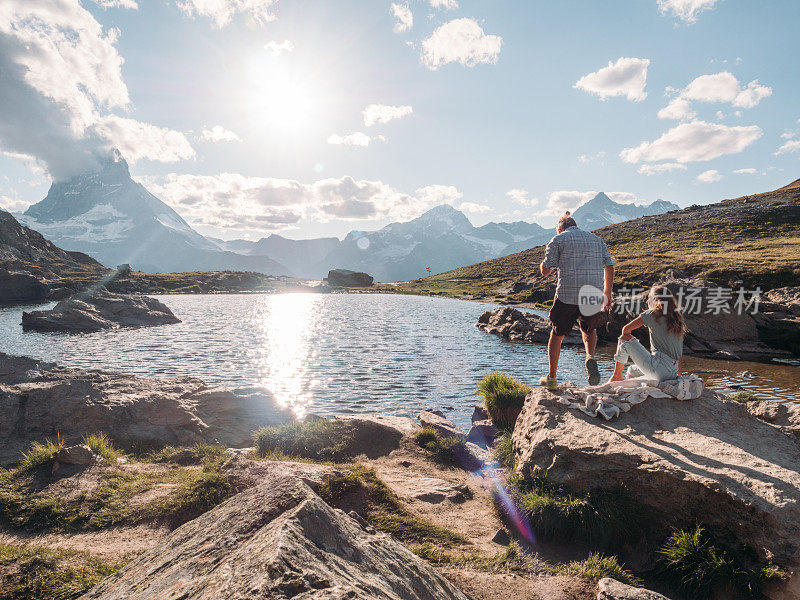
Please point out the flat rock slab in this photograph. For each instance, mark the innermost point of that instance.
(706, 460)
(40, 400)
(611, 589)
(425, 489)
(278, 540)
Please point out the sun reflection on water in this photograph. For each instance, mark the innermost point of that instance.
(285, 323)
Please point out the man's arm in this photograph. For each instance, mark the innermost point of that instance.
(608, 282)
(551, 255)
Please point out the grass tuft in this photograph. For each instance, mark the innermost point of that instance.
(197, 454)
(102, 445)
(504, 450)
(319, 439)
(41, 454)
(444, 450)
(744, 397)
(504, 397)
(596, 566)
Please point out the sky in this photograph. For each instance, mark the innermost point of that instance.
(313, 118)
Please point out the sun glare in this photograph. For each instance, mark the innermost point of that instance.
(281, 96)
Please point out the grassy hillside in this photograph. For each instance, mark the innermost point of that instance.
(755, 239)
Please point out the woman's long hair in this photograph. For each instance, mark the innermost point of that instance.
(665, 306)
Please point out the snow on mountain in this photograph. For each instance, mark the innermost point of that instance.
(602, 210)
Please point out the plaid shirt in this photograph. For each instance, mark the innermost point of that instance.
(579, 257)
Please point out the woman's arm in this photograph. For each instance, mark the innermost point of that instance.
(626, 330)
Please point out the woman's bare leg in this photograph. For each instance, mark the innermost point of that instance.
(618, 372)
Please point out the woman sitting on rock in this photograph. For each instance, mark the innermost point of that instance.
(667, 328)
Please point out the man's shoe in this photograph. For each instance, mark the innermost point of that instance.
(592, 372)
(549, 382)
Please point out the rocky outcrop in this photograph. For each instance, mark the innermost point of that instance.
(706, 460)
(788, 297)
(277, 540)
(19, 286)
(514, 325)
(611, 589)
(345, 278)
(435, 419)
(100, 310)
(40, 400)
(784, 416)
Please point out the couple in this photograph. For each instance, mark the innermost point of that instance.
(583, 263)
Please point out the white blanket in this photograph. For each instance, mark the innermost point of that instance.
(610, 399)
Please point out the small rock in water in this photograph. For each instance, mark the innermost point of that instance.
(479, 413)
(746, 374)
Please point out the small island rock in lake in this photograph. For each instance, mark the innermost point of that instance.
(98, 310)
(514, 325)
(345, 278)
(20, 286)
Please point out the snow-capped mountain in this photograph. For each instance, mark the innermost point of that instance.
(116, 220)
(602, 210)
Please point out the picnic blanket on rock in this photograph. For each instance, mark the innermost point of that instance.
(610, 399)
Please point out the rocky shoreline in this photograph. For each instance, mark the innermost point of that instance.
(380, 506)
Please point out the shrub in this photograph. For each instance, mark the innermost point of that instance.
(504, 397)
(102, 445)
(41, 454)
(319, 439)
(743, 397)
(445, 450)
(596, 566)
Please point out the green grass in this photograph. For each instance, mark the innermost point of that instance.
(444, 450)
(703, 567)
(743, 397)
(362, 490)
(504, 450)
(504, 397)
(318, 439)
(197, 454)
(31, 573)
(595, 567)
(101, 445)
(41, 454)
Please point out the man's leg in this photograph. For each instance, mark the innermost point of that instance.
(589, 334)
(553, 352)
(589, 342)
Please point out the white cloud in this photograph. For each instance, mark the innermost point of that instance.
(626, 77)
(277, 48)
(695, 141)
(790, 146)
(445, 4)
(137, 140)
(434, 195)
(222, 11)
(383, 113)
(352, 139)
(787, 135)
(679, 109)
(219, 134)
(14, 204)
(748, 171)
(687, 10)
(129, 4)
(521, 197)
(724, 87)
(471, 207)
(660, 169)
(462, 41)
(405, 20)
(586, 158)
(710, 176)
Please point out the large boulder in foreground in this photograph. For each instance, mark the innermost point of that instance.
(514, 325)
(277, 540)
(345, 278)
(100, 310)
(40, 400)
(706, 460)
(19, 286)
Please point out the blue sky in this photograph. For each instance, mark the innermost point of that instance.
(498, 124)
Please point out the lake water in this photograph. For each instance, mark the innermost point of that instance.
(342, 353)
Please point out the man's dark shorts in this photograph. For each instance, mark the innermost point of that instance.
(563, 317)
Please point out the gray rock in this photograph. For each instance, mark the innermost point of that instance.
(277, 540)
(611, 589)
(100, 310)
(443, 426)
(40, 400)
(511, 324)
(79, 454)
(345, 278)
(501, 537)
(19, 287)
(706, 460)
(434, 490)
(482, 433)
(378, 435)
(479, 413)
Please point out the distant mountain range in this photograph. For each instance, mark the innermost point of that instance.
(116, 220)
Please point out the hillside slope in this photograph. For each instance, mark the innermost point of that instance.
(755, 239)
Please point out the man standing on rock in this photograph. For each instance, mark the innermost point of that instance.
(585, 275)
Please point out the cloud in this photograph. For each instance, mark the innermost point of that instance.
(129, 4)
(14, 204)
(661, 168)
(587, 158)
(383, 113)
(462, 41)
(405, 20)
(694, 141)
(353, 139)
(790, 146)
(686, 10)
(137, 140)
(219, 134)
(434, 195)
(445, 4)
(679, 109)
(471, 207)
(719, 87)
(277, 48)
(748, 171)
(222, 11)
(626, 77)
(710, 176)
(521, 197)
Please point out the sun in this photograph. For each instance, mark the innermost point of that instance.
(282, 97)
